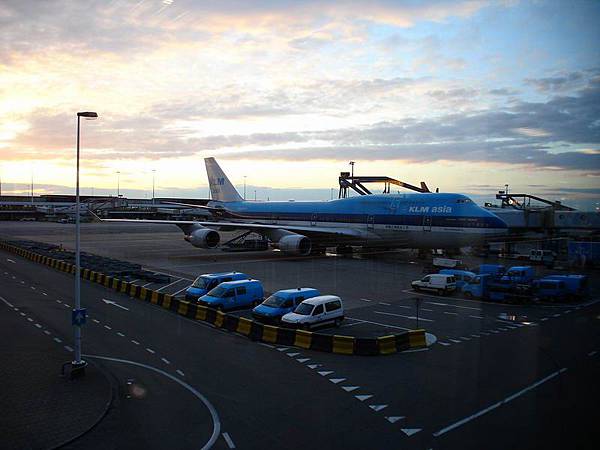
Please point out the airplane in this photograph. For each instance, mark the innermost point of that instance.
(417, 221)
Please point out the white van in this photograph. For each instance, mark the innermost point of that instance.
(321, 310)
(437, 282)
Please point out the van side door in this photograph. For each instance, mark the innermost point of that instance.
(317, 314)
(241, 297)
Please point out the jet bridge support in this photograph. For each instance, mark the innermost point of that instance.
(357, 184)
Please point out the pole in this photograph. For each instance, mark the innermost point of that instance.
(118, 184)
(153, 172)
(244, 187)
(32, 186)
(77, 329)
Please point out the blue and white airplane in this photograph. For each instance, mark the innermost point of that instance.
(421, 221)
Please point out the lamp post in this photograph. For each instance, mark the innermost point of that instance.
(118, 184)
(244, 187)
(78, 317)
(153, 172)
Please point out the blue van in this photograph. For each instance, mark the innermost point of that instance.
(461, 277)
(519, 274)
(492, 269)
(208, 281)
(234, 294)
(549, 289)
(577, 285)
(282, 302)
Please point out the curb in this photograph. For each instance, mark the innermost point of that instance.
(256, 331)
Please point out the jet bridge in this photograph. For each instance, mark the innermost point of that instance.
(357, 184)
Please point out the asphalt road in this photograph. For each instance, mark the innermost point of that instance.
(498, 376)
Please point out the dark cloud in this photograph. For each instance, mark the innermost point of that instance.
(503, 92)
(560, 83)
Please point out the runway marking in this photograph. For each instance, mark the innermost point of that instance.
(227, 438)
(337, 380)
(445, 344)
(180, 291)
(380, 324)
(410, 431)
(95, 321)
(120, 334)
(366, 300)
(57, 340)
(8, 303)
(107, 327)
(394, 419)
(476, 317)
(313, 366)
(43, 293)
(350, 388)
(213, 412)
(30, 319)
(325, 372)
(377, 408)
(149, 350)
(10, 261)
(135, 342)
(38, 325)
(69, 349)
(456, 341)
(384, 304)
(170, 284)
(180, 372)
(497, 404)
(165, 360)
(451, 313)
(406, 317)
(302, 360)
(362, 398)
(47, 332)
(291, 355)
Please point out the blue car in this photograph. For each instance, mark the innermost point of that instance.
(208, 281)
(281, 303)
(234, 295)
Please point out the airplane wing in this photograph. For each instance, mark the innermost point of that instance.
(189, 205)
(258, 227)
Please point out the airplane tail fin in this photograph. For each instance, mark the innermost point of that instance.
(221, 188)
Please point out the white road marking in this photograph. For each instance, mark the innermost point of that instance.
(10, 261)
(170, 284)
(58, 301)
(337, 380)
(165, 360)
(394, 419)
(406, 317)
(476, 317)
(95, 321)
(30, 319)
(497, 404)
(38, 325)
(351, 324)
(16, 309)
(350, 388)
(23, 314)
(264, 344)
(107, 327)
(556, 315)
(180, 291)
(33, 288)
(380, 324)
(567, 311)
(456, 341)
(384, 304)
(495, 331)
(313, 366)
(362, 398)
(120, 334)
(135, 342)
(180, 372)
(366, 300)
(43, 293)
(324, 373)
(47, 332)
(464, 338)
(302, 360)
(451, 313)
(147, 284)
(69, 349)
(377, 408)
(7, 302)
(213, 412)
(475, 335)
(484, 333)
(149, 350)
(57, 340)
(443, 343)
(592, 353)
(66, 305)
(291, 355)
(543, 319)
(426, 309)
(227, 438)
(113, 303)
(407, 307)
(282, 349)
(410, 431)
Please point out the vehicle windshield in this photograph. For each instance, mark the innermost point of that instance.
(219, 291)
(304, 308)
(274, 301)
(201, 283)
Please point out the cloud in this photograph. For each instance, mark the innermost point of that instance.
(562, 83)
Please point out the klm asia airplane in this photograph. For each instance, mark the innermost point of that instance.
(421, 221)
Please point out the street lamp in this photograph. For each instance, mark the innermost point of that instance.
(118, 183)
(153, 172)
(78, 316)
(244, 187)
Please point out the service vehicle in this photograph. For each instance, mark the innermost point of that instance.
(548, 289)
(519, 275)
(281, 303)
(577, 285)
(437, 282)
(208, 281)
(477, 286)
(234, 295)
(492, 269)
(316, 311)
(543, 256)
(461, 276)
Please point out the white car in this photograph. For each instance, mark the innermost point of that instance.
(437, 282)
(321, 310)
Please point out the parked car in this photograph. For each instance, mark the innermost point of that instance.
(577, 285)
(437, 282)
(461, 276)
(548, 289)
(208, 281)
(281, 303)
(316, 311)
(234, 294)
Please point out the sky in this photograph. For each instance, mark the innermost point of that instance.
(465, 95)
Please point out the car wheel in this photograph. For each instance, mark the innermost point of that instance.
(338, 322)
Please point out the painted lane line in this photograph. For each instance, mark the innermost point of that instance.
(456, 341)
(451, 313)
(66, 305)
(291, 355)
(180, 372)
(362, 398)
(377, 408)
(10, 261)
(213, 412)
(69, 349)
(351, 324)
(264, 344)
(445, 344)
(180, 290)
(15, 308)
(282, 349)
(147, 284)
(149, 350)
(23, 314)
(406, 317)
(38, 325)
(324, 373)
(476, 317)
(498, 404)
(380, 324)
(57, 340)
(350, 388)
(337, 380)
(384, 304)
(592, 353)
(302, 360)
(567, 311)
(495, 331)
(120, 334)
(47, 332)
(475, 335)
(437, 304)
(30, 319)
(464, 338)
(407, 307)
(58, 301)
(410, 431)
(170, 284)
(43, 293)
(228, 440)
(394, 419)
(425, 309)
(484, 333)
(107, 327)
(366, 300)
(95, 321)
(556, 315)
(135, 342)
(313, 366)
(9, 304)
(543, 319)
(165, 360)
(33, 288)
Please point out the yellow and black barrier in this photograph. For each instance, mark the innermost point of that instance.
(289, 337)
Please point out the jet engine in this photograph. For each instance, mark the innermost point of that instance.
(295, 244)
(203, 238)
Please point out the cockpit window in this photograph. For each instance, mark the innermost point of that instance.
(464, 200)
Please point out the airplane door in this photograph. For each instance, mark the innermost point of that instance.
(313, 220)
(370, 223)
(427, 223)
